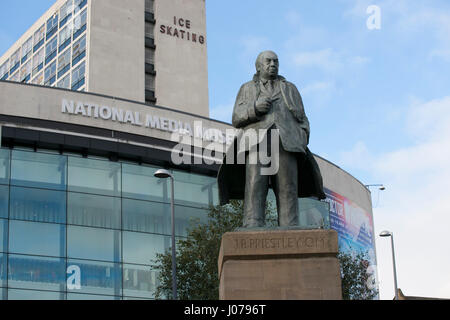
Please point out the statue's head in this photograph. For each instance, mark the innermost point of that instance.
(267, 65)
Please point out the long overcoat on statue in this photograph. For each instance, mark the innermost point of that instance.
(293, 125)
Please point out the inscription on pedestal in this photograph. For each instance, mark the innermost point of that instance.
(279, 243)
(292, 242)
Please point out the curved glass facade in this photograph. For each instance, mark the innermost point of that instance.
(88, 228)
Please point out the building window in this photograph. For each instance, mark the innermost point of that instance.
(31, 272)
(94, 176)
(35, 238)
(79, 4)
(78, 50)
(50, 74)
(15, 61)
(52, 26)
(14, 77)
(50, 50)
(38, 170)
(38, 61)
(79, 24)
(94, 210)
(27, 295)
(100, 278)
(25, 72)
(4, 202)
(65, 12)
(26, 49)
(64, 63)
(39, 79)
(93, 244)
(78, 77)
(118, 219)
(65, 37)
(38, 38)
(64, 83)
(4, 70)
(39, 205)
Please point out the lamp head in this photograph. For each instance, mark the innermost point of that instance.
(163, 174)
(386, 234)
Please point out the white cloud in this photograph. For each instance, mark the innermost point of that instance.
(325, 59)
(416, 204)
(328, 60)
(318, 87)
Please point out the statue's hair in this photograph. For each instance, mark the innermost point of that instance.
(259, 60)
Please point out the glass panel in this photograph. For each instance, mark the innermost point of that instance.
(31, 169)
(139, 183)
(84, 297)
(187, 217)
(78, 5)
(4, 166)
(139, 281)
(37, 238)
(4, 195)
(27, 47)
(144, 216)
(3, 235)
(93, 211)
(78, 75)
(93, 244)
(94, 176)
(14, 77)
(314, 214)
(65, 34)
(38, 205)
(25, 71)
(2, 270)
(65, 10)
(94, 277)
(49, 74)
(39, 273)
(141, 248)
(38, 61)
(64, 60)
(39, 35)
(193, 190)
(4, 69)
(15, 58)
(39, 79)
(14, 294)
(64, 83)
(79, 47)
(51, 47)
(3, 293)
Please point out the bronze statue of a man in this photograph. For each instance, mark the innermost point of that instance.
(269, 102)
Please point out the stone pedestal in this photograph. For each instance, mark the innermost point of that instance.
(280, 265)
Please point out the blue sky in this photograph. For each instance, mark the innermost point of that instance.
(378, 102)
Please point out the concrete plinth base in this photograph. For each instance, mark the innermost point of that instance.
(280, 265)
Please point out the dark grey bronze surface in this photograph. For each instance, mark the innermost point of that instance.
(271, 102)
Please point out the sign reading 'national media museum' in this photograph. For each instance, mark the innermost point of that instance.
(151, 121)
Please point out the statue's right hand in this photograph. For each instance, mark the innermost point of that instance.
(263, 105)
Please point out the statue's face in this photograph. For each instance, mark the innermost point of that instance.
(268, 65)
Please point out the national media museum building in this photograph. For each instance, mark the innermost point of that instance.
(90, 97)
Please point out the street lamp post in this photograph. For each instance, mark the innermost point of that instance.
(391, 234)
(164, 174)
